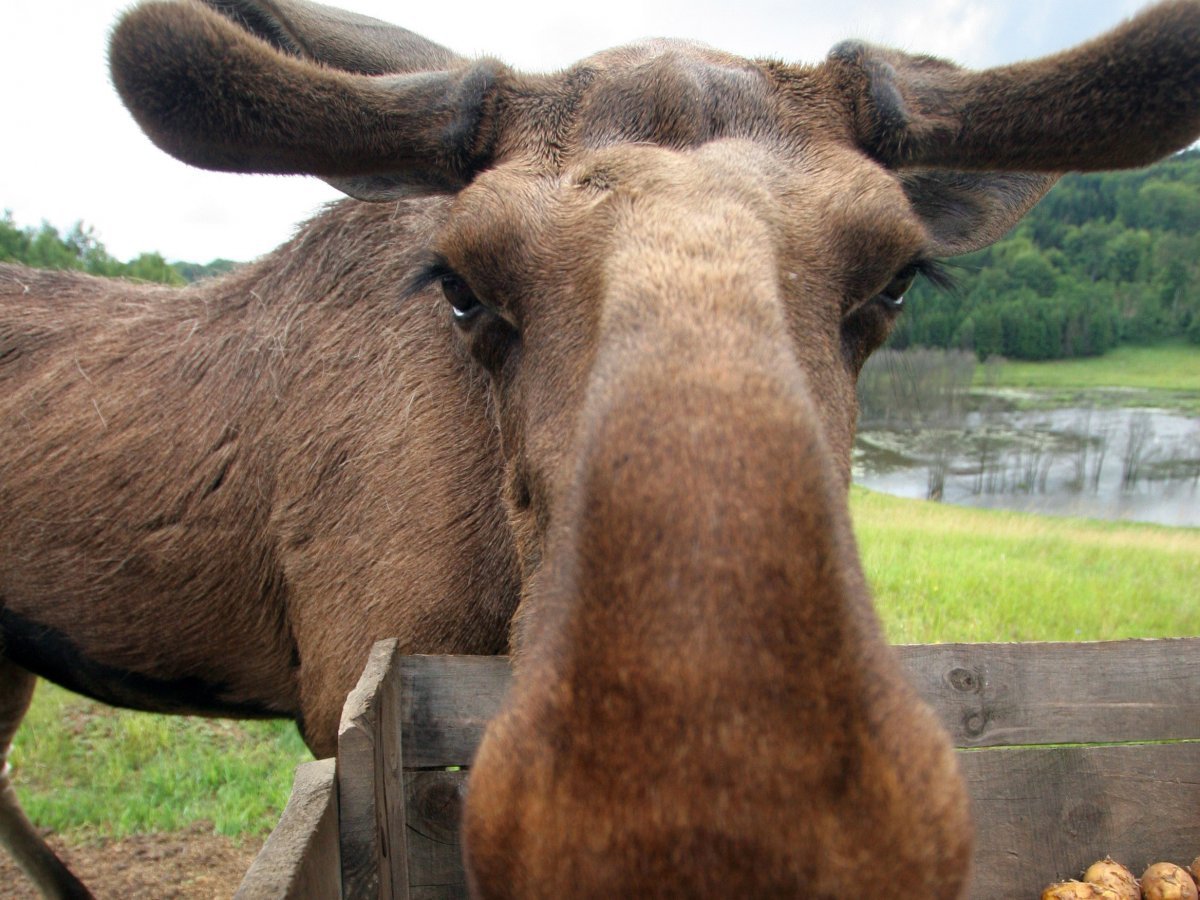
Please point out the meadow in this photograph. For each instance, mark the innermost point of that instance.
(1172, 367)
(947, 573)
(87, 770)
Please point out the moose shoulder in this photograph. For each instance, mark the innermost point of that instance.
(595, 349)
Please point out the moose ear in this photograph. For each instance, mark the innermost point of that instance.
(965, 211)
(1122, 100)
(211, 94)
(336, 38)
(346, 41)
(967, 145)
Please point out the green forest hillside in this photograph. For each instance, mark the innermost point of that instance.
(1104, 259)
(81, 249)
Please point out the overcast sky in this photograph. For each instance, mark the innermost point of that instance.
(70, 151)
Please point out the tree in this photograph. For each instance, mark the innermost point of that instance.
(1104, 258)
(14, 243)
(1168, 206)
(80, 249)
(152, 267)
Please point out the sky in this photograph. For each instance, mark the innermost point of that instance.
(70, 151)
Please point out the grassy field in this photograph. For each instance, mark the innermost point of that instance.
(1172, 367)
(87, 769)
(946, 573)
(940, 573)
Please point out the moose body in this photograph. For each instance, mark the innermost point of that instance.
(590, 360)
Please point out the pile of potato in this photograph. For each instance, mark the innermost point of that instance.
(1108, 880)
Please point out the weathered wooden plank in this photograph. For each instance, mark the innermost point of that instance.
(1043, 814)
(1061, 693)
(986, 694)
(300, 860)
(371, 782)
(434, 853)
(447, 702)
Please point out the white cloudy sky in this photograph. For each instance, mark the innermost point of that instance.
(69, 150)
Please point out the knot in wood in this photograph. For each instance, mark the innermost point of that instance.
(968, 681)
(975, 723)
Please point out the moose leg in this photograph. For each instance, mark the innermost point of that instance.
(17, 833)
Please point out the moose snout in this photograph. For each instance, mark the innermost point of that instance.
(713, 710)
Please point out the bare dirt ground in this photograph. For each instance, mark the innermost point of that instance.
(184, 865)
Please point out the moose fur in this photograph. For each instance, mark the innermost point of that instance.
(591, 361)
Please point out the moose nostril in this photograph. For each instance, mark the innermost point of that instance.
(519, 491)
(524, 497)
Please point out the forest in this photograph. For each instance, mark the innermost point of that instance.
(1104, 259)
(81, 249)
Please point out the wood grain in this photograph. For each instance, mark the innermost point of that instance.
(370, 782)
(991, 695)
(434, 853)
(447, 702)
(1042, 813)
(985, 694)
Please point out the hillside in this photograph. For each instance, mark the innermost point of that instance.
(1104, 259)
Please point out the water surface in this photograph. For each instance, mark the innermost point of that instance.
(1139, 464)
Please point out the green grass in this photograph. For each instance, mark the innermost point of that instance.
(940, 573)
(86, 769)
(945, 573)
(1173, 366)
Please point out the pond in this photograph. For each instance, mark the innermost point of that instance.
(1139, 464)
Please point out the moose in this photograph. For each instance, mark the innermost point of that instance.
(577, 383)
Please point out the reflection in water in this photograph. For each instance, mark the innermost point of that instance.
(1136, 464)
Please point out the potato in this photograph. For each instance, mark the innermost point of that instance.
(1114, 876)
(1167, 881)
(1078, 890)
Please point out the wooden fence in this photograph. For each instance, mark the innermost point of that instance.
(1127, 785)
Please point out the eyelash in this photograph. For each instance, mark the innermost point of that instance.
(936, 273)
(931, 271)
(428, 273)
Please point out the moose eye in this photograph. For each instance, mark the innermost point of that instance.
(932, 271)
(463, 302)
(893, 294)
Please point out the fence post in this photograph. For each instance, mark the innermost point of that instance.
(370, 782)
